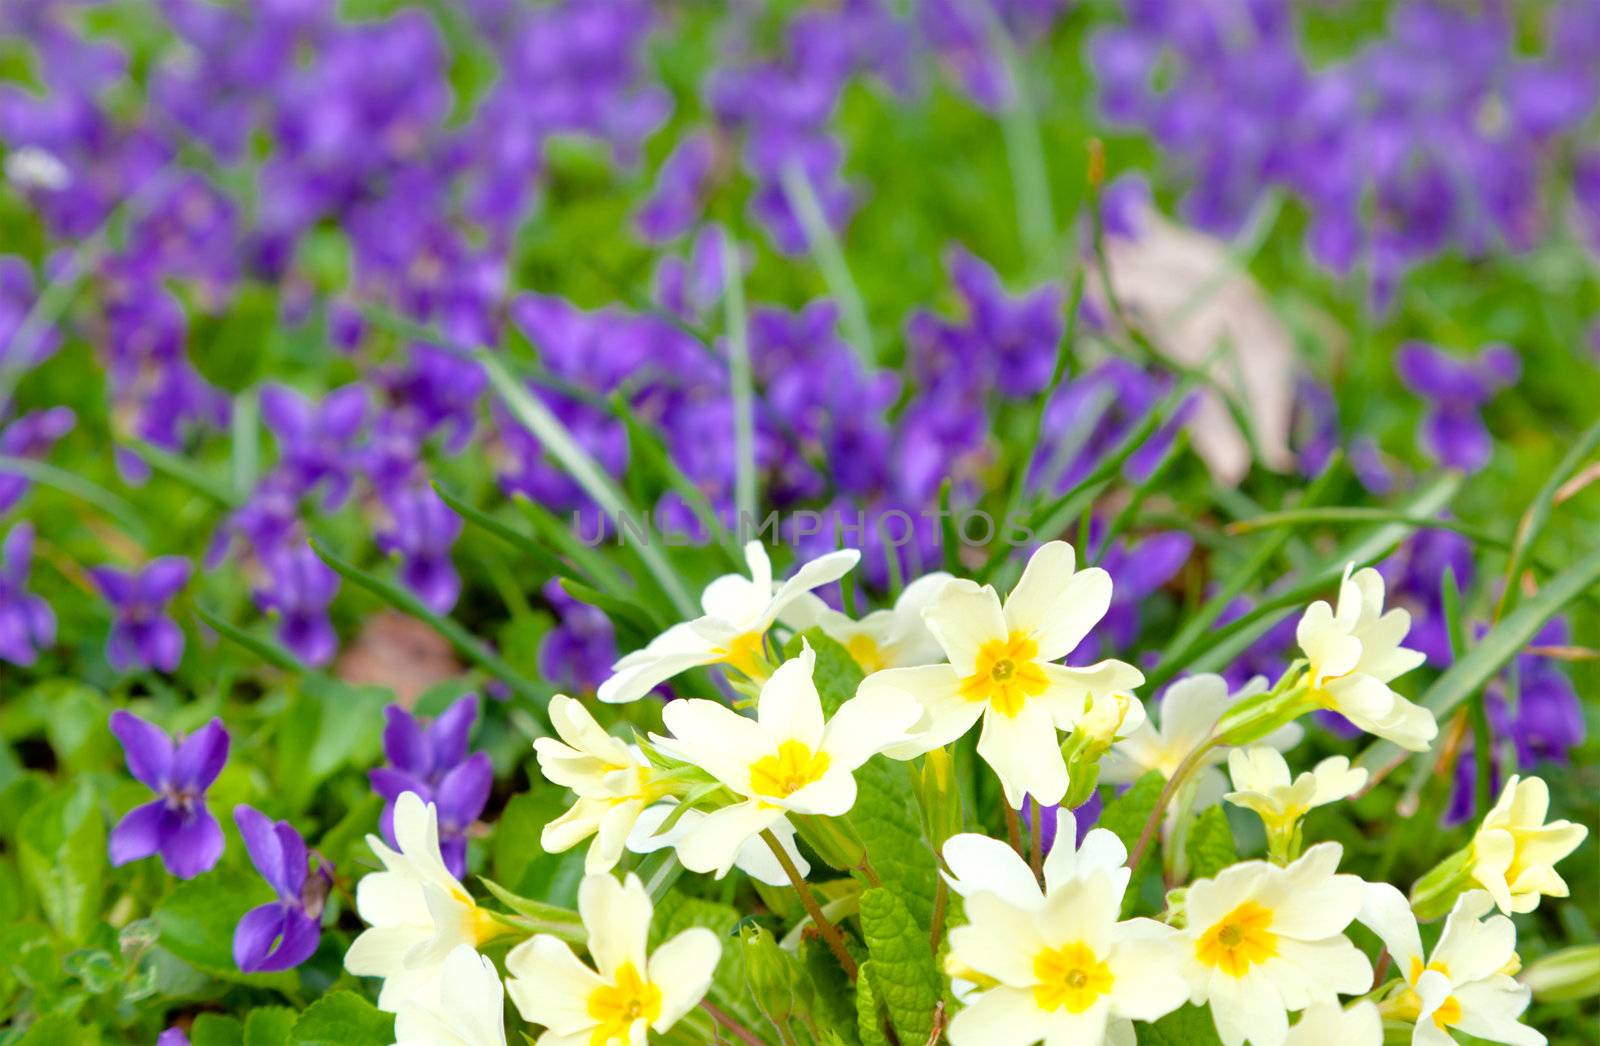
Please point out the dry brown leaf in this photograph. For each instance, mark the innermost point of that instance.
(400, 653)
(1183, 290)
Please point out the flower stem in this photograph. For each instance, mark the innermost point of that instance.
(1152, 824)
(728, 1024)
(1036, 843)
(1014, 831)
(941, 901)
(830, 932)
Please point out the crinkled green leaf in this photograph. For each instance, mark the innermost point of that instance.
(1126, 816)
(1210, 848)
(904, 974)
(214, 1029)
(520, 864)
(833, 1004)
(268, 1026)
(197, 919)
(55, 1029)
(885, 814)
(342, 1018)
(61, 848)
(1187, 1026)
(869, 1024)
(326, 726)
(677, 912)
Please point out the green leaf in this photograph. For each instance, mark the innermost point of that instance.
(903, 971)
(214, 1029)
(1187, 1026)
(546, 918)
(1126, 816)
(869, 1026)
(75, 722)
(1480, 665)
(520, 864)
(197, 919)
(885, 814)
(833, 1004)
(61, 849)
(1210, 848)
(1538, 513)
(268, 1026)
(342, 1018)
(326, 726)
(55, 1029)
(676, 912)
(837, 675)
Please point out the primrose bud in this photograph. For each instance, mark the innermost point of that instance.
(834, 840)
(938, 796)
(773, 976)
(1436, 892)
(1565, 975)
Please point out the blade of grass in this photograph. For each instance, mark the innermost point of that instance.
(659, 460)
(1346, 514)
(561, 445)
(829, 256)
(84, 490)
(547, 562)
(246, 439)
(1456, 633)
(174, 467)
(1215, 648)
(468, 645)
(1035, 419)
(744, 425)
(272, 653)
(1538, 513)
(1201, 622)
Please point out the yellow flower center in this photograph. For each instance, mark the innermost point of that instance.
(787, 771)
(1239, 940)
(867, 653)
(745, 653)
(618, 1005)
(1006, 674)
(1448, 1013)
(1071, 976)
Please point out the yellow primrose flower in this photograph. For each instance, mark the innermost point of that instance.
(785, 760)
(1353, 653)
(1064, 970)
(896, 637)
(1463, 986)
(1328, 1024)
(627, 992)
(1263, 940)
(416, 911)
(465, 1007)
(1002, 668)
(738, 610)
(611, 778)
(1514, 853)
(1261, 783)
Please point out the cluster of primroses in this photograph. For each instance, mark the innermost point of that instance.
(1039, 952)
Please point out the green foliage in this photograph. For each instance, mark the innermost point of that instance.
(1186, 1026)
(520, 864)
(677, 912)
(903, 972)
(1210, 847)
(269, 1025)
(342, 1018)
(61, 848)
(326, 725)
(196, 924)
(215, 1029)
(869, 1015)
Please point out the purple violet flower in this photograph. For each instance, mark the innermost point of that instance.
(432, 761)
(281, 934)
(1084, 817)
(143, 634)
(1456, 389)
(420, 529)
(315, 439)
(298, 587)
(176, 825)
(578, 653)
(27, 624)
(30, 436)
